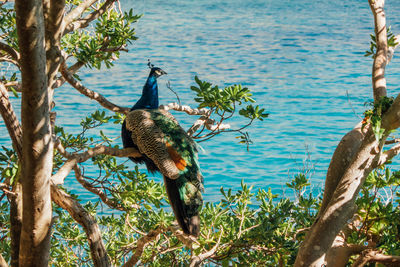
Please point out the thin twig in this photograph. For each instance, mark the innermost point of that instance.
(83, 23)
(103, 196)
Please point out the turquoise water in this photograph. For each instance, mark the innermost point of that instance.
(299, 57)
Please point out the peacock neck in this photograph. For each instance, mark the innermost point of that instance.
(149, 99)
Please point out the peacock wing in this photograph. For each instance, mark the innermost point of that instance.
(150, 140)
(159, 136)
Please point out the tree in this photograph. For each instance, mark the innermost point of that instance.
(357, 155)
(51, 43)
(39, 38)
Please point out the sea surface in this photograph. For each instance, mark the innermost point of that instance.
(303, 60)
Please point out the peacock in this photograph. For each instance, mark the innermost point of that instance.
(165, 147)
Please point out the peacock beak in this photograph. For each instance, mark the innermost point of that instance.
(160, 72)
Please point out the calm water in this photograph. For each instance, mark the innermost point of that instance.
(299, 57)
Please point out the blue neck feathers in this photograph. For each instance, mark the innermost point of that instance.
(149, 99)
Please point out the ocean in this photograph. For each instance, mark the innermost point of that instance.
(303, 60)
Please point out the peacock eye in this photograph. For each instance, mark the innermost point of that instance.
(158, 72)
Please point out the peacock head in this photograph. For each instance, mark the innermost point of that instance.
(157, 72)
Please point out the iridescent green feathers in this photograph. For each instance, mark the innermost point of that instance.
(158, 136)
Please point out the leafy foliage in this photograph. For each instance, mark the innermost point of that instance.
(102, 44)
(374, 115)
(223, 105)
(391, 41)
(8, 31)
(377, 221)
(243, 228)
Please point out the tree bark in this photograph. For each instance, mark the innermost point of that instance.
(341, 206)
(97, 249)
(380, 60)
(16, 223)
(351, 163)
(341, 158)
(15, 132)
(37, 147)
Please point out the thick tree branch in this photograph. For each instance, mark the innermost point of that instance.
(151, 236)
(381, 56)
(341, 158)
(197, 260)
(84, 22)
(391, 119)
(89, 224)
(371, 255)
(14, 129)
(10, 60)
(3, 262)
(141, 245)
(338, 208)
(389, 154)
(89, 93)
(10, 120)
(341, 206)
(75, 158)
(10, 51)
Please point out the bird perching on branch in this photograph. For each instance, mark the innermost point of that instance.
(166, 147)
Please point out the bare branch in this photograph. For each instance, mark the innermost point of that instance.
(115, 48)
(5, 188)
(78, 11)
(205, 120)
(82, 23)
(100, 193)
(10, 60)
(197, 260)
(187, 109)
(14, 84)
(89, 93)
(10, 51)
(380, 60)
(89, 224)
(389, 154)
(393, 141)
(59, 177)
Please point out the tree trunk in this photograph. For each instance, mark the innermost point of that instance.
(341, 206)
(16, 223)
(37, 146)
